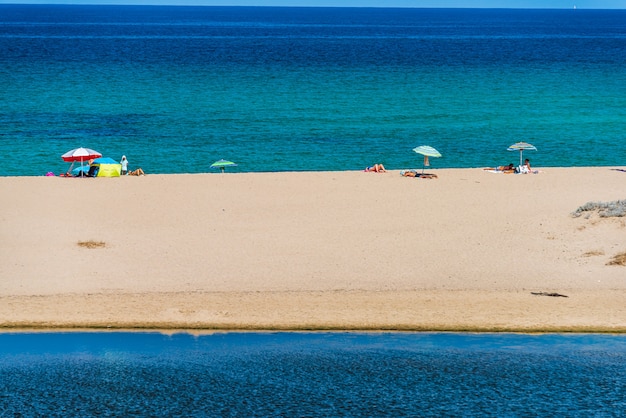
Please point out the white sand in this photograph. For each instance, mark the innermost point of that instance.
(314, 250)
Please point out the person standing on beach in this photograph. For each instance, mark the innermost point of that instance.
(124, 163)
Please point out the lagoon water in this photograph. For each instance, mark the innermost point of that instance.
(285, 89)
(312, 374)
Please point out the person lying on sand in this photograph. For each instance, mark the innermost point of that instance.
(413, 173)
(376, 168)
(504, 168)
(138, 172)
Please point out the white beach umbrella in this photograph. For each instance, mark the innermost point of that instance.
(521, 146)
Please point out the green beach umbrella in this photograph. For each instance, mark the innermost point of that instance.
(222, 164)
(427, 151)
(521, 146)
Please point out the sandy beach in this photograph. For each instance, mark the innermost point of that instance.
(471, 250)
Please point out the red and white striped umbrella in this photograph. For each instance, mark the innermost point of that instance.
(80, 154)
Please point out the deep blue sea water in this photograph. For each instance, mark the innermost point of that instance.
(286, 89)
(312, 374)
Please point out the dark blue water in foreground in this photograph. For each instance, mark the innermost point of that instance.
(312, 374)
(283, 89)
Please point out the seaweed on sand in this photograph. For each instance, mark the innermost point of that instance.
(616, 208)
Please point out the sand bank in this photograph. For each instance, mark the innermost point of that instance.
(314, 250)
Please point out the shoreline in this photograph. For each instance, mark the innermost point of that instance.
(419, 311)
(313, 251)
(432, 169)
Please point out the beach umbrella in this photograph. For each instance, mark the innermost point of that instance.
(80, 154)
(427, 151)
(222, 164)
(521, 146)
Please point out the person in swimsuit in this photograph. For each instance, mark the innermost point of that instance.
(376, 168)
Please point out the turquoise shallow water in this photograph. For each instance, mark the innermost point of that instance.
(312, 374)
(280, 89)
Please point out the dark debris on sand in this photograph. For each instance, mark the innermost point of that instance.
(556, 295)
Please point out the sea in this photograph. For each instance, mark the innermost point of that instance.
(312, 375)
(309, 89)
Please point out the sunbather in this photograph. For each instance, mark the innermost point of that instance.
(525, 168)
(376, 168)
(413, 173)
(504, 168)
(137, 172)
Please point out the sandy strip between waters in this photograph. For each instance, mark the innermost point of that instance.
(314, 250)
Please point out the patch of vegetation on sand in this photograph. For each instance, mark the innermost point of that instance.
(593, 253)
(91, 244)
(613, 209)
(618, 260)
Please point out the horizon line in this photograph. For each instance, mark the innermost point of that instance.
(179, 4)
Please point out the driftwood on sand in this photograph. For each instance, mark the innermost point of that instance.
(556, 295)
